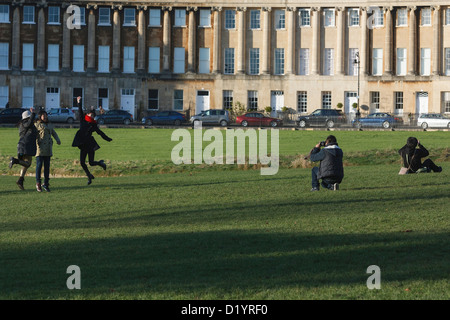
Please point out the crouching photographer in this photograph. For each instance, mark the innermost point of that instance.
(331, 169)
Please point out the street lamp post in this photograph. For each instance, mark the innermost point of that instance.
(358, 62)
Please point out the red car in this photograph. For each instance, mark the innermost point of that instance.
(257, 119)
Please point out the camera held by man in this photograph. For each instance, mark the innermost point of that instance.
(331, 168)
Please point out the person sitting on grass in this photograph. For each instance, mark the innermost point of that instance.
(412, 153)
(331, 168)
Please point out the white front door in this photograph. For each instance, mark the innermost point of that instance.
(202, 101)
(127, 101)
(276, 102)
(422, 102)
(350, 99)
(52, 98)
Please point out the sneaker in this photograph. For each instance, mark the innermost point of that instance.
(12, 162)
(314, 189)
(38, 187)
(439, 169)
(90, 178)
(20, 184)
(102, 164)
(46, 188)
(335, 186)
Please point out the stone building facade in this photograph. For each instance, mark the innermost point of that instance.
(144, 56)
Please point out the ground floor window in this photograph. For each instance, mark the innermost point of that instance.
(227, 99)
(446, 102)
(326, 100)
(302, 101)
(153, 99)
(178, 100)
(398, 101)
(253, 100)
(375, 100)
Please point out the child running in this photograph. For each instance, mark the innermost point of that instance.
(85, 141)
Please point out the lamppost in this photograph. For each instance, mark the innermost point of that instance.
(358, 62)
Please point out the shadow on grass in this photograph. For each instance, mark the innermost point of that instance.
(216, 264)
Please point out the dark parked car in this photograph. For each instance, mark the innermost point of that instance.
(165, 117)
(323, 118)
(11, 115)
(378, 119)
(115, 116)
(258, 119)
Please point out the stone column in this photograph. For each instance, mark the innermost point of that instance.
(91, 38)
(388, 45)
(216, 44)
(240, 61)
(116, 54)
(141, 39)
(436, 40)
(340, 41)
(363, 50)
(192, 43)
(265, 65)
(66, 47)
(15, 48)
(412, 41)
(290, 54)
(167, 30)
(40, 51)
(315, 54)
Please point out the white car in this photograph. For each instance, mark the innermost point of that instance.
(433, 120)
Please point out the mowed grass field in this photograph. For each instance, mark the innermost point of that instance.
(226, 232)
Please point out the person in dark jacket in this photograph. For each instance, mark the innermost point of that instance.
(412, 153)
(26, 148)
(85, 141)
(331, 169)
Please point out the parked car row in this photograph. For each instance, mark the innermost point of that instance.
(328, 118)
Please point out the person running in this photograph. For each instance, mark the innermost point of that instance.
(85, 141)
(26, 148)
(44, 150)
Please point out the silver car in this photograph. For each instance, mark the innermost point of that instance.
(212, 116)
(61, 115)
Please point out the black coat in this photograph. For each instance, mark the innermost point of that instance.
(413, 156)
(28, 135)
(331, 166)
(83, 138)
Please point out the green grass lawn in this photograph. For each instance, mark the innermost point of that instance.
(227, 234)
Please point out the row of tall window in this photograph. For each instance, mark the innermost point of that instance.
(179, 65)
(154, 17)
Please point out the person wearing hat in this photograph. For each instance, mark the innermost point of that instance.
(85, 141)
(26, 148)
(44, 149)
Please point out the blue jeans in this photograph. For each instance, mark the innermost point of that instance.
(43, 160)
(315, 182)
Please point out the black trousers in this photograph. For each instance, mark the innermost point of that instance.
(90, 154)
(430, 165)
